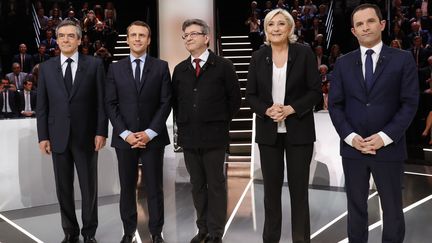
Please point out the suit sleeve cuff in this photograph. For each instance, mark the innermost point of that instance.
(125, 134)
(350, 138)
(386, 139)
(150, 133)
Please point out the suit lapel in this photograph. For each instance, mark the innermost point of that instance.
(147, 67)
(358, 69)
(381, 63)
(79, 75)
(268, 70)
(59, 76)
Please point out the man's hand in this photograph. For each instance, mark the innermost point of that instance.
(374, 142)
(143, 139)
(45, 147)
(359, 143)
(99, 142)
(133, 140)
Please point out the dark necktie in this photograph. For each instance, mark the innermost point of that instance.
(197, 66)
(137, 72)
(68, 75)
(369, 68)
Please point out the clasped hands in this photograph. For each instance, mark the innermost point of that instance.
(279, 112)
(138, 139)
(368, 145)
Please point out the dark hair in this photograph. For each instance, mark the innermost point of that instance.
(139, 23)
(27, 81)
(64, 23)
(204, 26)
(365, 6)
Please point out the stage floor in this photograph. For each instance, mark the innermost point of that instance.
(245, 212)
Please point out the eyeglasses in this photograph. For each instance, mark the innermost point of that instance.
(192, 35)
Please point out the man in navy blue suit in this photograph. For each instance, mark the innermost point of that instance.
(373, 99)
(138, 102)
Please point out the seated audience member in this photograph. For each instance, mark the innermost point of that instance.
(325, 85)
(9, 100)
(334, 54)
(27, 100)
(25, 60)
(16, 77)
(322, 13)
(427, 131)
(56, 16)
(89, 21)
(254, 31)
(103, 53)
(99, 12)
(320, 57)
(268, 8)
(109, 6)
(98, 32)
(33, 76)
(419, 53)
(50, 42)
(426, 39)
(110, 22)
(71, 17)
(41, 56)
(84, 10)
(43, 20)
(396, 44)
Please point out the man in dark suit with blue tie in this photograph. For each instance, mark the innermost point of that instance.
(373, 99)
(72, 126)
(138, 102)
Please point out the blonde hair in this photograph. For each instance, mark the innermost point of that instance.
(290, 21)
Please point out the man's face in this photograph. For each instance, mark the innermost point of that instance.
(22, 48)
(138, 40)
(367, 27)
(42, 49)
(28, 86)
(67, 40)
(196, 41)
(49, 34)
(16, 69)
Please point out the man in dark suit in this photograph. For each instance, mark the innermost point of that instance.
(138, 102)
(72, 126)
(27, 100)
(206, 97)
(373, 99)
(25, 60)
(41, 56)
(9, 100)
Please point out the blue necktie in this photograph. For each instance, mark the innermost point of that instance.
(137, 72)
(369, 69)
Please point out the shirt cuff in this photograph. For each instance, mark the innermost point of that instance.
(125, 134)
(150, 133)
(349, 138)
(386, 139)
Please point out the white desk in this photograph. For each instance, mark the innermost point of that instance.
(27, 176)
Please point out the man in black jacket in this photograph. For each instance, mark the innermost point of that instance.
(206, 97)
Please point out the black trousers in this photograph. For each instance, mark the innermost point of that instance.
(85, 161)
(298, 158)
(152, 168)
(205, 167)
(388, 177)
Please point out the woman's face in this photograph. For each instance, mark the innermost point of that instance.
(278, 30)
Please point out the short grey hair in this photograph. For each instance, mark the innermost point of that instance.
(64, 23)
(290, 21)
(205, 29)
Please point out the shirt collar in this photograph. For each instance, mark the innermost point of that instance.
(142, 58)
(204, 56)
(63, 58)
(377, 49)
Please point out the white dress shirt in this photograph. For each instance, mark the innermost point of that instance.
(278, 90)
(74, 64)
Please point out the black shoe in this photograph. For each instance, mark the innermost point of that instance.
(70, 239)
(199, 238)
(157, 238)
(128, 239)
(89, 239)
(213, 239)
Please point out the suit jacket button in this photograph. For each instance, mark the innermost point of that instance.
(137, 119)
(194, 105)
(195, 89)
(368, 104)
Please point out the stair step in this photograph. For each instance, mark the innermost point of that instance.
(237, 49)
(235, 37)
(235, 43)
